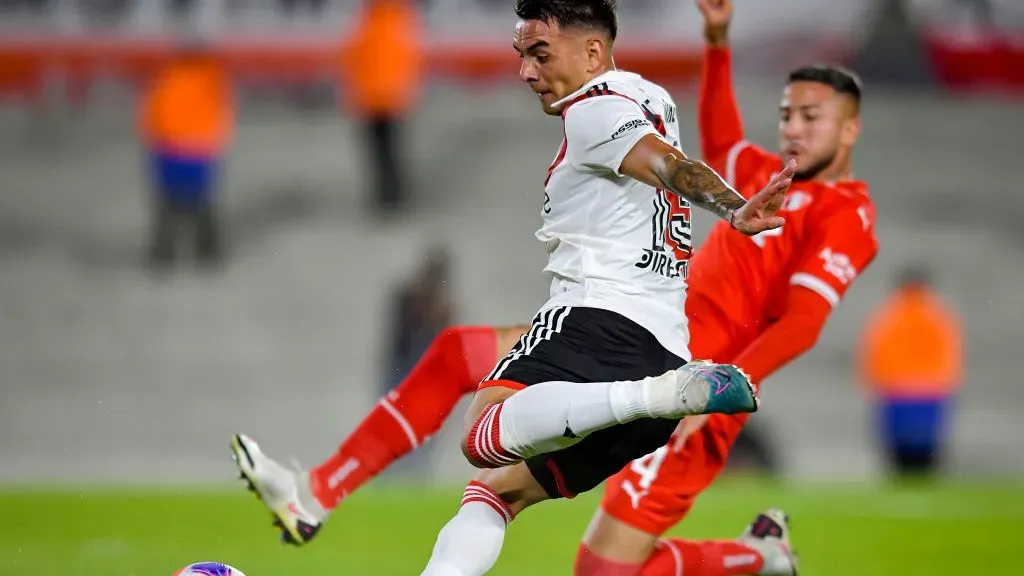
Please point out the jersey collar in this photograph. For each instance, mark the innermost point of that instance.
(609, 76)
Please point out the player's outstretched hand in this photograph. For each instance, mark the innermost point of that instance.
(758, 214)
(717, 13)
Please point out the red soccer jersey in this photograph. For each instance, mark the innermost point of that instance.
(828, 238)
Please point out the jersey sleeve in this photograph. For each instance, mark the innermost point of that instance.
(722, 141)
(741, 165)
(840, 248)
(600, 132)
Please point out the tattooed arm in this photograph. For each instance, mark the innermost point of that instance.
(654, 162)
(698, 183)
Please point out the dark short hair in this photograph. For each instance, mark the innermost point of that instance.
(596, 14)
(841, 80)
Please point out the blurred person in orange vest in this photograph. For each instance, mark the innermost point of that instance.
(911, 363)
(187, 119)
(381, 77)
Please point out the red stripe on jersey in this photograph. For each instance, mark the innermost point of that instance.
(599, 90)
(558, 159)
(594, 91)
(581, 97)
(603, 90)
(565, 142)
(656, 120)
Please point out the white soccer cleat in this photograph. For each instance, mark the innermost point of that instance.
(285, 492)
(769, 535)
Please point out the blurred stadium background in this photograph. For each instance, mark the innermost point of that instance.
(119, 390)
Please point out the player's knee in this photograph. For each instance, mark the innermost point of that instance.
(514, 485)
(481, 439)
(448, 339)
(472, 453)
(481, 443)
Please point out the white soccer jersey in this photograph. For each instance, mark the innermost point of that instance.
(614, 242)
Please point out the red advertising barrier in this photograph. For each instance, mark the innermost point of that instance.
(985, 63)
(26, 63)
(988, 62)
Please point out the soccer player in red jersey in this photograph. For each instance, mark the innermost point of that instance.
(759, 320)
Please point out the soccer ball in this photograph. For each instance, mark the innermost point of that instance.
(208, 569)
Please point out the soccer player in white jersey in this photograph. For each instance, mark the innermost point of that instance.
(601, 377)
(574, 399)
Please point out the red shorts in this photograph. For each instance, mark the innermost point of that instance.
(655, 492)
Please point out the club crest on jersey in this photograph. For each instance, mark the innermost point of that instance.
(795, 201)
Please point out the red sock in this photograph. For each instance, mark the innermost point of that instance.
(589, 564)
(702, 558)
(457, 360)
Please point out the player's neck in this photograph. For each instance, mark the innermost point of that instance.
(600, 71)
(829, 177)
(838, 171)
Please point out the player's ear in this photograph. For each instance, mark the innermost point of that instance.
(850, 131)
(595, 48)
(851, 122)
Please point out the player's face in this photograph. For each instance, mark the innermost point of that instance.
(817, 126)
(555, 63)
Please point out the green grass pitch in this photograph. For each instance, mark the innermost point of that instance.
(838, 530)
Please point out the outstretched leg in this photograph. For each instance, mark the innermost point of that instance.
(453, 366)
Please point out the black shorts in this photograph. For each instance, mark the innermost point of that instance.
(576, 344)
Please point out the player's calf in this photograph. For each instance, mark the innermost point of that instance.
(471, 541)
(469, 544)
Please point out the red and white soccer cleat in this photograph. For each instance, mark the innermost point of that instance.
(297, 514)
(769, 535)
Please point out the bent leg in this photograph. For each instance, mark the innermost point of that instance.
(655, 492)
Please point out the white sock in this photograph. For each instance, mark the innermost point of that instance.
(554, 415)
(469, 544)
(551, 416)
